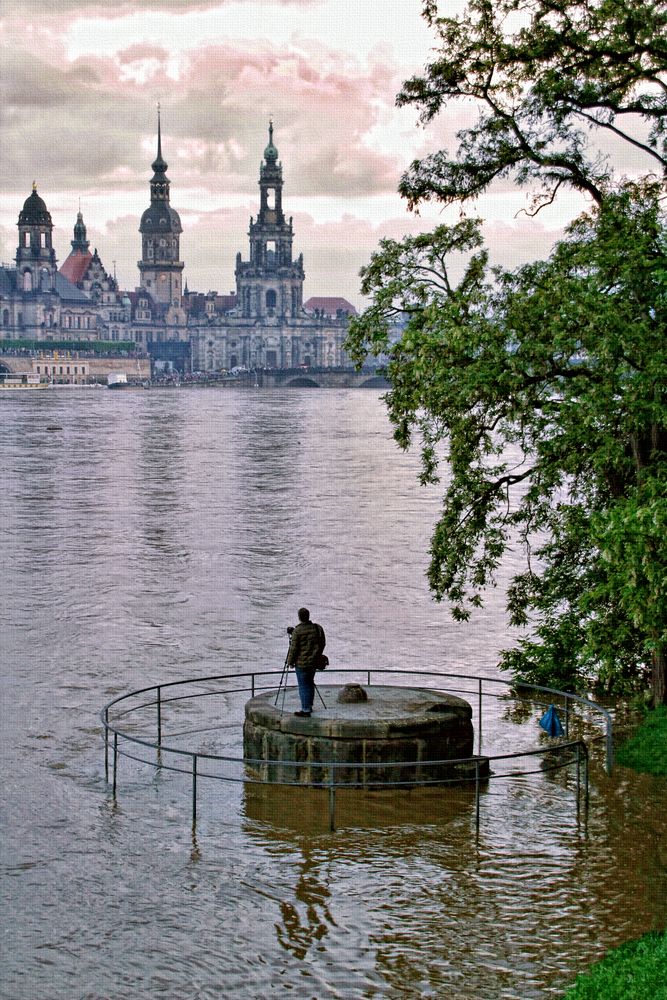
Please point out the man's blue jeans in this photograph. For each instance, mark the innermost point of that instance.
(305, 678)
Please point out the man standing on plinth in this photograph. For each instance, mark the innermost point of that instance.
(305, 651)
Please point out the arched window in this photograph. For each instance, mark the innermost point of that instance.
(271, 299)
(27, 281)
(5, 317)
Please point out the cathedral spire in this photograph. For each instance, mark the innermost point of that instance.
(160, 228)
(159, 165)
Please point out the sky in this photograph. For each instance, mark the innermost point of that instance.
(80, 82)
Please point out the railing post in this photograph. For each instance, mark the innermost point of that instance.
(332, 798)
(159, 715)
(252, 685)
(479, 715)
(115, 762)
(578, 776)
(567, 717)
(106, 746)
(610, 747)
(477, 801)
(194, 790)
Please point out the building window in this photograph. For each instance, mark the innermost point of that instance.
(271, 299)
(5, 317)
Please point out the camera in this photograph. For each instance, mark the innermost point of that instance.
(290, 629)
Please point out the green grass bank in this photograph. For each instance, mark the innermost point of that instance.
(633, 971)
(646, 750)
(636, 970)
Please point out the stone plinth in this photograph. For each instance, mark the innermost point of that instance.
(411, 734)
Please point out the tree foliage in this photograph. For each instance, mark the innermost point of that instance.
(548, 78)
(545, 392)
(540, 395)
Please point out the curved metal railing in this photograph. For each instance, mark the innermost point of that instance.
(121, 742)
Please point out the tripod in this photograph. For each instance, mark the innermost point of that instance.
(282, 685)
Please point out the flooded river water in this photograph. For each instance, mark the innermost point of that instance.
(153, 536)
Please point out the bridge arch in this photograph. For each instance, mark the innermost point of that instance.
(302, 382)
(374, 382)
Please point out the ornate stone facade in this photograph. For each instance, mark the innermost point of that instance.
(268, 326)
(263, 325)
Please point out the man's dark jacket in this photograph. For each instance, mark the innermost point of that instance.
(306, 644)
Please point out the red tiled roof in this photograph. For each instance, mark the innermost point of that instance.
(329, 306)
(75, 267)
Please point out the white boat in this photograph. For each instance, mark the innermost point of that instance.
(117, 380)
(13, 381)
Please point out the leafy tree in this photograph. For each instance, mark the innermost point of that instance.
(544, 389)
(546, 76)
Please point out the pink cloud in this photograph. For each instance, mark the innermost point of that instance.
(123, 8)
(323, 103)
(137, 53)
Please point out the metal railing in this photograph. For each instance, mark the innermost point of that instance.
(118, 741)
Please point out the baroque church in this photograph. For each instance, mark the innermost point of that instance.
(264, 324)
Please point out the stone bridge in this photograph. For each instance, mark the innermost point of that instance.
(15, 363)
(321, 378)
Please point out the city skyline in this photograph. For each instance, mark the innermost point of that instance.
(81, 89)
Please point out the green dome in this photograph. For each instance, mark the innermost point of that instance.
(270, 153)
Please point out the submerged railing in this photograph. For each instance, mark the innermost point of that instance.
(119, 741)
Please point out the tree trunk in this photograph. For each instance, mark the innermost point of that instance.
(659, 677)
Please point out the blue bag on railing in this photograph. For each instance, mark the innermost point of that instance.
(550, 722)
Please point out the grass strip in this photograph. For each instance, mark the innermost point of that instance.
(646, 750)
(635, 970)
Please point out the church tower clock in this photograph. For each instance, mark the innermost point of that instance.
(160, 268)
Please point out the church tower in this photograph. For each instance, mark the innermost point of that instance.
(35, 256)
(160, 268)
(270, 284)
(80, 244)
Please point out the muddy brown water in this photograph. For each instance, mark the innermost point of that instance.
(169, 534)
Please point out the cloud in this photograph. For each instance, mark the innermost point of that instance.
(22, 9)
(86, 123)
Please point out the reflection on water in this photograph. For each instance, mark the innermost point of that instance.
(163, 535)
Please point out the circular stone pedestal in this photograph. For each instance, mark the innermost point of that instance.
(399, 736)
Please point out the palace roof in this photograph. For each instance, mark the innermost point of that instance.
(329, 305)
(75, 267)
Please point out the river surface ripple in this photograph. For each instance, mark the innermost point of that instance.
(153, 536)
